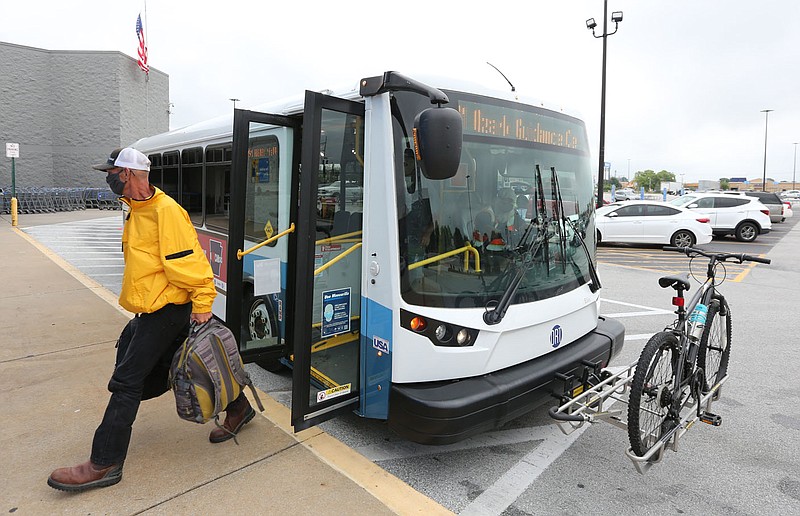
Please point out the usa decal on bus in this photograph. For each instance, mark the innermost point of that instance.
(380, 344)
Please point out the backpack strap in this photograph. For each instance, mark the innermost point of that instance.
(208, 358)
(231, 348)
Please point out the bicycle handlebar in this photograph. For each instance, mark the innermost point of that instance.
(741, 257)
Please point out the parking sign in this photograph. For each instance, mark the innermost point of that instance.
(12, 150)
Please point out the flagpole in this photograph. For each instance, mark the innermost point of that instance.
(146, 77)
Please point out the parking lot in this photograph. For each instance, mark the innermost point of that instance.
(652, 258)
(746, 466)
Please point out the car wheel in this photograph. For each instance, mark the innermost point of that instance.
(599, 238)
(746, 232)
(683, 238)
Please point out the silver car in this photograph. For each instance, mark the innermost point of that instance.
(626, 194)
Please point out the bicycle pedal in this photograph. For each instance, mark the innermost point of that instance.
(711, 419)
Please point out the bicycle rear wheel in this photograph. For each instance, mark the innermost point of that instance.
(715, 343)
(652, 392)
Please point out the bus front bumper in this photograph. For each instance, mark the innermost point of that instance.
(450, 411)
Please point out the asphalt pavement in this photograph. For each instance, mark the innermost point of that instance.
(747, 466)
(58, 329)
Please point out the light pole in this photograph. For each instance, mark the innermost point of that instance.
(234, 102)
(766, 126)
(794, 169)
(616, 17)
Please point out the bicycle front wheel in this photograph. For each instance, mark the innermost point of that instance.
(652, 393)
(715, 343)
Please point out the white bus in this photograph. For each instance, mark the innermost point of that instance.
(418, 254)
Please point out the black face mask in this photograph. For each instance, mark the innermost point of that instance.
(115, 183)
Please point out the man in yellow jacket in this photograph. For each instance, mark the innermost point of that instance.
(167, 281)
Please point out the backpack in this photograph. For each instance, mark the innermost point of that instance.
(207, 373)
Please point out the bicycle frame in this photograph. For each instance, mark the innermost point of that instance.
(586, 402)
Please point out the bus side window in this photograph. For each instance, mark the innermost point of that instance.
(192, 183)
(217, 187)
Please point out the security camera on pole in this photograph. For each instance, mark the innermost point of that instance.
(616, 17)
(12, 151)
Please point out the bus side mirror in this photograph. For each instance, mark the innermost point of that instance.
(437, 142)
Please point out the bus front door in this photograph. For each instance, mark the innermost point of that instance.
(326, 273)
(263, 184)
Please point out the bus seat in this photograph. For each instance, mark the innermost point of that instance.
(340, 222)
(355, 222)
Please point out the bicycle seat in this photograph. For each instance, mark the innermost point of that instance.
(675, 282)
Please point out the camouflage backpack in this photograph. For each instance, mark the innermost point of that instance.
(207, 373)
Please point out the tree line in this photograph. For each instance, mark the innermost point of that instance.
(651, 180)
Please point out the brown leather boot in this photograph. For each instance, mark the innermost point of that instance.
(237, 414)
(85, 476)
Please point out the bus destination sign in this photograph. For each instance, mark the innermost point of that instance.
(515, 124)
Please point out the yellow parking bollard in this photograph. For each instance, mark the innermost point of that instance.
(13, 211)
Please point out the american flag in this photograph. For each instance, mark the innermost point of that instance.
(142, 62)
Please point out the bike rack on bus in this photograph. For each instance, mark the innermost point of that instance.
(588, 405)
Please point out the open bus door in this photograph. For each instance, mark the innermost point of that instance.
(315, 319)
(264, 177)
(327, 280)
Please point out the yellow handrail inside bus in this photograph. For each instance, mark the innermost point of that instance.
(357, 246)
(241, 253)
(346, 238)
(466, 250)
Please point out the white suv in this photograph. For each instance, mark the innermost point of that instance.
(739, 215)
(626, 194)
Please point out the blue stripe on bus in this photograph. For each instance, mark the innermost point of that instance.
(376, 359)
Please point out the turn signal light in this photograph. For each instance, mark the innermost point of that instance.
(418, 324)
(704, 220)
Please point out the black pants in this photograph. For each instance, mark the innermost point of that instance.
(144, 352)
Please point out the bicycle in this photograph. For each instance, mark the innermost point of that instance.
(682, 368)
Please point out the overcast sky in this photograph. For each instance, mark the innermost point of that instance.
(686, 79)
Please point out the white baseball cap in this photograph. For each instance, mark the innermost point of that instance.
(133, 159)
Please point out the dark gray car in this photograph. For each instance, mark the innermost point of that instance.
(771, 201)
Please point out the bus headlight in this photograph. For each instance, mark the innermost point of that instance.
(443, 333)
(440, 333)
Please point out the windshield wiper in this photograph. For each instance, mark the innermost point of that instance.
(594, 286)
(529, 250)
(495, 315)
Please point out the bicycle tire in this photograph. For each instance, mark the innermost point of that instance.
(651, 392)
(715, 343)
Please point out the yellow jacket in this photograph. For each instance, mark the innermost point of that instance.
(164, 262)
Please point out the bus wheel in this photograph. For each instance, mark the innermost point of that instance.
(259, 319)
(259, 323)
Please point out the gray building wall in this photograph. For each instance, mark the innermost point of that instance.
(69, 109)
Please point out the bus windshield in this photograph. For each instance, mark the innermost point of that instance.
(497, 212)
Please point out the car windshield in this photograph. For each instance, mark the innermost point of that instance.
(494, 205)
(683, 200)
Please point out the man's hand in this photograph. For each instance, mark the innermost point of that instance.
(200, 317)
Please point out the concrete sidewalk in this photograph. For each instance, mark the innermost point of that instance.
(58, 329)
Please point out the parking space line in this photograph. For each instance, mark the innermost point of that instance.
(742, 275)
(645, 310)
(498, 497)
